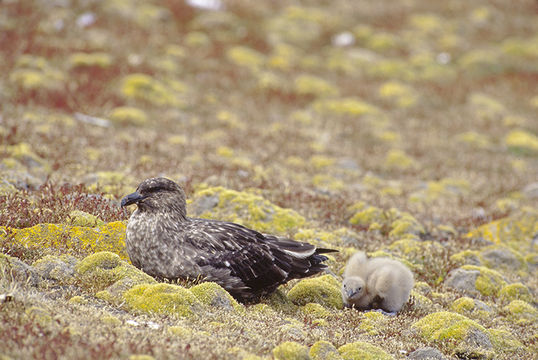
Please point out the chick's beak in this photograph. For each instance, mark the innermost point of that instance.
(351, 292)
(132, 199)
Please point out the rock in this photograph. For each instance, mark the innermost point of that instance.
(426, 353)
(324, 290)
(56, 268)
(496, 258)
(531, 190)
(19, 270)
(473, 280)
(290, 350)
(463, 280)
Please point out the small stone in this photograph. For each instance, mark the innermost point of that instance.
(427, 353)
(464, 281)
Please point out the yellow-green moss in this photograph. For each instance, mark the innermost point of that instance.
(463, 305)
(503, 340)
(76, 240)
(145, 88)
(445, 325)
(413, 250)
(212, 294)
(161, 298)
(470, 257)
(40, 315)
(247, 57)
(109, 276)
(291, 350)
(324, 290)
(361, 350)
(184, 332)
(516, 291)
(324, 350)
(315, 310)
(515, 231)
(128, 115)
(141, 357)
(315, 86)
(372, 322)
(345, 106)
(520, 139)
(86, 60)
(474, 139)
(250, 210)
(81, 218)
(489, 282)
(111, 320)
(77, 299)
(521, 312)
(399, 160)
(367, 216)
(402, 95)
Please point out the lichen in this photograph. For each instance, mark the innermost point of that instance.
(402, 95)
(214, 295)
(522, 140)
(291, 350)
(315, 86)
(161, 298)
(248, 209)
(515, 231)
(247, 57)
(361, 350)
(142, 87)
(58, 268)
(345, 106)
(89, 60)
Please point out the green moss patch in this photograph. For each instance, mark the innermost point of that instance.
(363, 350)
(489, 282)
(245, 208)
(324, 350)
(291, 350)
(214, 295)
(166, 299)
(324, 290)
(521, 312)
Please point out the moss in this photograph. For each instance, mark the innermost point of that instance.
(474, 139)
(250, 210)
(345, 106)
(166, 299)
(111, 320)
(521, 312)
(504, 341)
(315, 86)
(324, 350)
(290, 350)
(81, 218)
(402, 95)
(40, 315)
(141, 357)
(109, 276)
(324, 290)
(315, 310)
(247, 57)
(466, 257)
(446, 326)
(78, 300)
(361, 350)
(212, 294)
(372, 322)
(489, 282)
(523, 140)
(516, 291)
(398, 160)
(413, 250)
(184, 332)
(367, 216)
(126, 115)
(92, 60)
(463, 305)
(145, 88)
(515, 231)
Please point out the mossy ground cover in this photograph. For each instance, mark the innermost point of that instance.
(404, 129)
